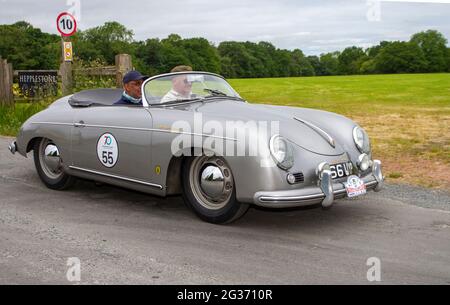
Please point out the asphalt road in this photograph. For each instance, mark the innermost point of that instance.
(124, 237)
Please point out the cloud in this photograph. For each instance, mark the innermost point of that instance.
(313, 26)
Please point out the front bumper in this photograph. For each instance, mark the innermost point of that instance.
(324, 194)
(13, 147)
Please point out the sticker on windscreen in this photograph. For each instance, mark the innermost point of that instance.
(107, 150)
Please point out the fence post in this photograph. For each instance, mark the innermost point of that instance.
(65, 69)
(123, 65)
(2, 83)
(6, 83)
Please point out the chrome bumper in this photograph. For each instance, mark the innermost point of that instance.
(324, 194)
(13, 147)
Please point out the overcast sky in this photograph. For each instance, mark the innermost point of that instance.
(313, 26)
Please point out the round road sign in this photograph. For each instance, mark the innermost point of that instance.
(66, 24)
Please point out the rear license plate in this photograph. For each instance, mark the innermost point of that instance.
(355, 186)
(341, 170)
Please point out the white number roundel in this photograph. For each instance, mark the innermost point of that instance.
(107, 150)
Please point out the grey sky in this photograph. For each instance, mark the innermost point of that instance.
(313, 26)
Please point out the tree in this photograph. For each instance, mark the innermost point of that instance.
(350, 60)
(330, 63)
(314, 61)
(434, 46)
(238, 59)
(400, 57)
(150, 55)
(448, 59)
(202, 54)
(27, 47)
(103, 42)
(300, 64)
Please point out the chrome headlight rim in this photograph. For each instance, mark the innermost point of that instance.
(288, 161)
(363, 144)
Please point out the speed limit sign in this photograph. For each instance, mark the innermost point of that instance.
(66, 24)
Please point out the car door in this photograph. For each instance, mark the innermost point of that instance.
(113, 140)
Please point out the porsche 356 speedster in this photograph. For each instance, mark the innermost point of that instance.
(218, 151)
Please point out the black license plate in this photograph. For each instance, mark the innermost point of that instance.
(341, 170)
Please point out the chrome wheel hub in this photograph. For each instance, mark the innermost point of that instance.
(50, 159)
(211, 182)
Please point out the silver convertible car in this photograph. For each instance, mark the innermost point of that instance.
(194, 135)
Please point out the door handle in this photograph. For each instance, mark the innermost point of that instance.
(80, 124)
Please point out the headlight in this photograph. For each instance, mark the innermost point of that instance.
(361, 140)
(282, 152)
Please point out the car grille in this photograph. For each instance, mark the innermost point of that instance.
(299, 177)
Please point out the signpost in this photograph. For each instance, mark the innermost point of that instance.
(67, 26)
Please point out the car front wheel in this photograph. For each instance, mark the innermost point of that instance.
(209, 190)
(48, 164)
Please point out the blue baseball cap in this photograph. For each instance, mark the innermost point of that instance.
(133, 75)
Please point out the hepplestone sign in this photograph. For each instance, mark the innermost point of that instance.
(38, 83)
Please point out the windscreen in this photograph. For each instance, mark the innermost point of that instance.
(186, 86)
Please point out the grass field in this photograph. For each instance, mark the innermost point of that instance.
(406, 116)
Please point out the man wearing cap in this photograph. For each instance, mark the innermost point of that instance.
(132, 94)
(181, 87)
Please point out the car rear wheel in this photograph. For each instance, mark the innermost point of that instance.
(209, 190)
(48, 164)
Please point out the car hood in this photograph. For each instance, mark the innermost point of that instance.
(313, 130)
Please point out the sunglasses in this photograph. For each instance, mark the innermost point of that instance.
(136, 83)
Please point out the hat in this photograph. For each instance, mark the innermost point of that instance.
(133, 75)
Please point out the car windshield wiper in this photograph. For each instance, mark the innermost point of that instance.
(219, 94)
(215, 92)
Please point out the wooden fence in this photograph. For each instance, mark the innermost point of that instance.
(123, 64)
(6, 83)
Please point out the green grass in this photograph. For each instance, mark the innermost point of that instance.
(351, 94)
(11, 118)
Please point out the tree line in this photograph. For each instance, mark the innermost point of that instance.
(28, 47)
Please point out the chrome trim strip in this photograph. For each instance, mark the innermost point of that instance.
(138, 129)
(54, 123)
(317, 196)
(319, 130)
(291, 198)
(116, 177)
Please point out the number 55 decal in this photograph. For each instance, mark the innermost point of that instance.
(107, 150)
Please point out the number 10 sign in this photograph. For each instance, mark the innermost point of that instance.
(66, 24)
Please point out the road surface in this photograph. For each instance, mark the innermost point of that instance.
(124, 237)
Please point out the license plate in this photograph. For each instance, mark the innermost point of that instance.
(341, 170)
(355, 186)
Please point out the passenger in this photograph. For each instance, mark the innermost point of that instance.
(181, 87)
(132, 94)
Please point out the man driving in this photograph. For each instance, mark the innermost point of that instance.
(132, 94)
(181, 86)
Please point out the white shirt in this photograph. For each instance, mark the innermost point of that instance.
(173, 95)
